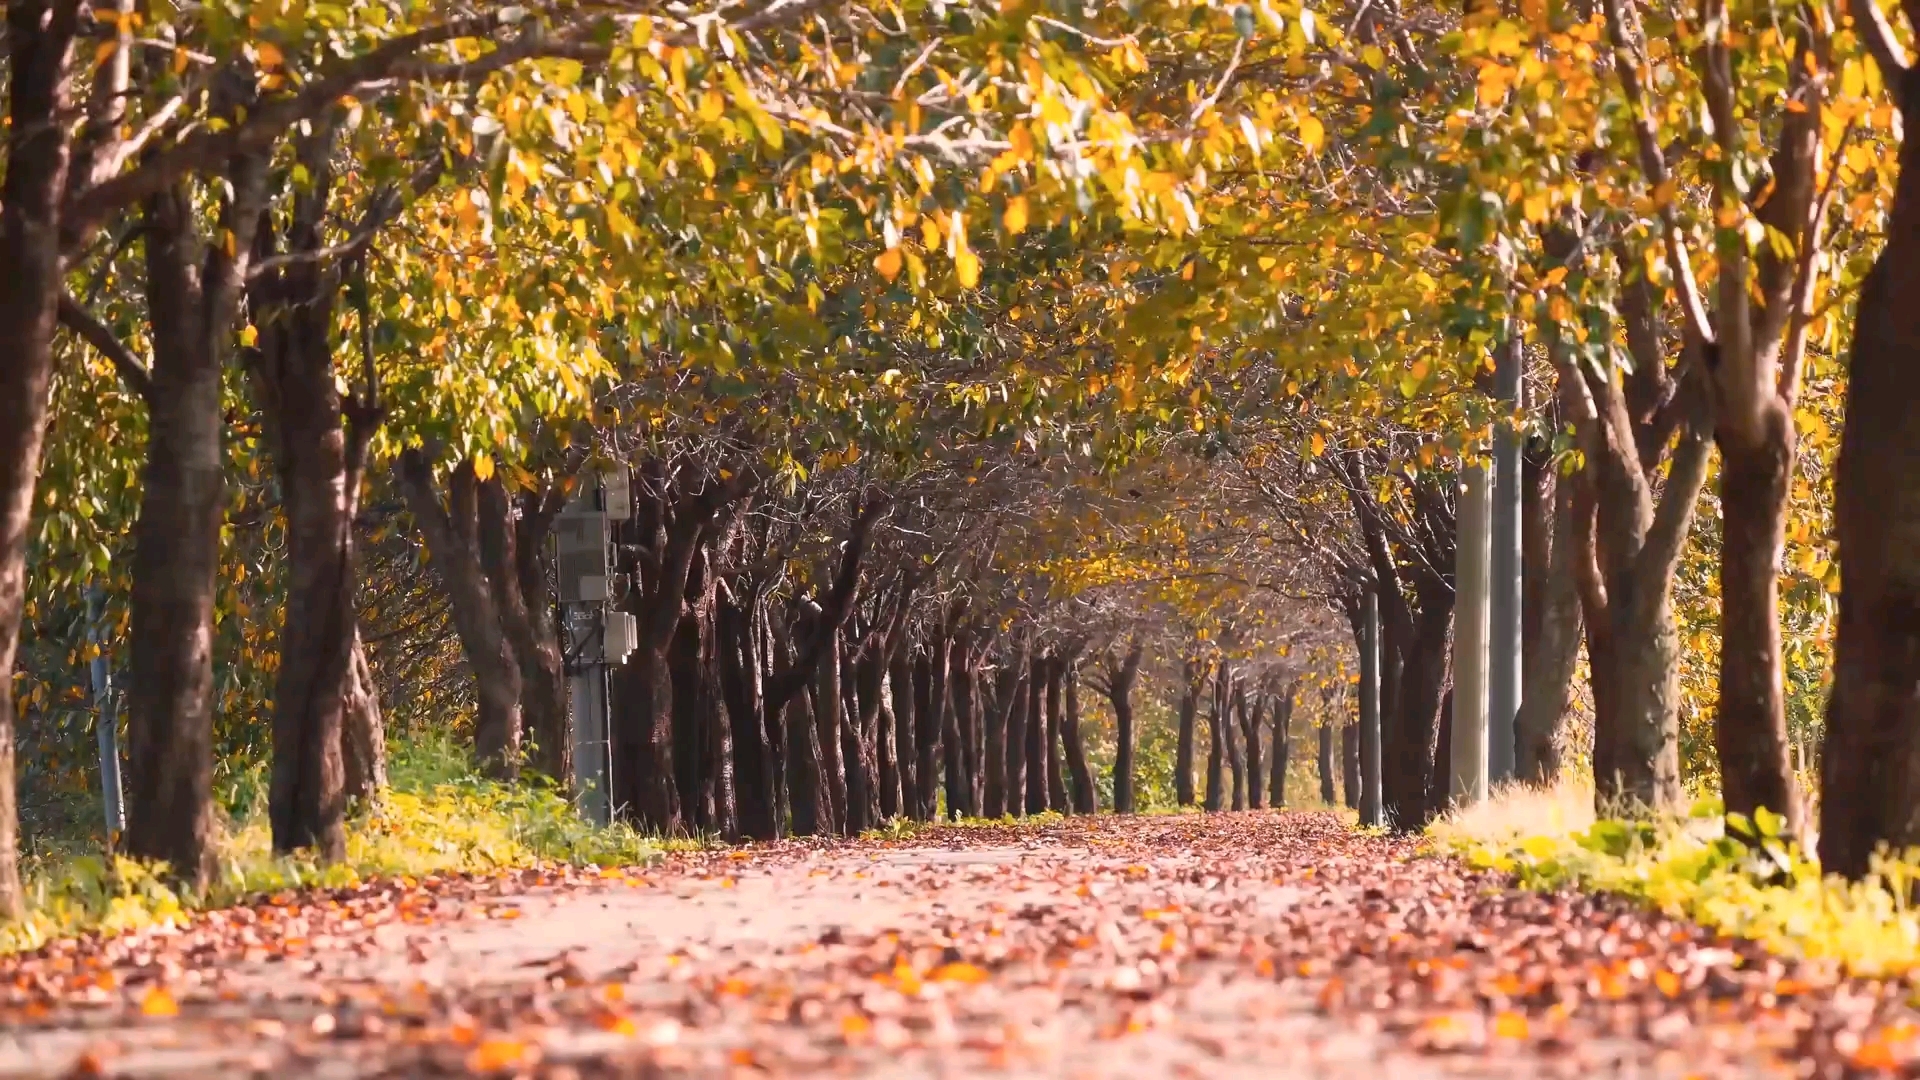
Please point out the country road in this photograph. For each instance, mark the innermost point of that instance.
(1259, 944)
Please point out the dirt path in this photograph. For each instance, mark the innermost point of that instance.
(1233, 945)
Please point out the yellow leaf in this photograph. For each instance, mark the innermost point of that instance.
(1318, 445)
(483, 466)
(1312, 132)
(158, 1002)
(713, 105)
(1015, 219)
(966, 266)
(249, 335)
(888, 263)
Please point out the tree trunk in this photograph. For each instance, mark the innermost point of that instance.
(1085, 800)
(1190, 683)
(928, 724)
(957, 734)
(1056, 782)
(868, 676)
(1750, 727)
(453, 542)
(193, 296)
(888, 746)
(1036, 734)
(1282, 753)
(1553, 631)
(1250, 720)
(740, 667)
(901, 672)
(827, 716)
(363, 743)
(1349, 767)
(1011, 777)
(1870, 763)
(532, 628)
(1326, 761)
(1412, 745)
(1120, 693)
(811, 816)
(1216, 793)
(1009, 696)
(40, 38)
(1233, 723)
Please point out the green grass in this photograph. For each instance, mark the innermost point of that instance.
(1760, 887)
(438, 816)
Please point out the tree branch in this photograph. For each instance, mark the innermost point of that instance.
(102, 338)
(1653, 164)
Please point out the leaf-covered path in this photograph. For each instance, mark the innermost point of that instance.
(1261, 944)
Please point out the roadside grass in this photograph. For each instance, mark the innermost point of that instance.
(1761, 887)
(438, 816)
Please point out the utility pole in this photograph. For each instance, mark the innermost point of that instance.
(600, 636)
(1504, 605)
(1372, 805)
(1469, 746)
(106, 724)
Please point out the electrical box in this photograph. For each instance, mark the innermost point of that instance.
(580, 540)
(620, 635)
(616, 495)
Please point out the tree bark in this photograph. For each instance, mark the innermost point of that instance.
(1120, 693)
(363, 744)
(1056, 781)
(1190, 682)
(1349, 767)
(756, 800)
(1750, 727)
(1036, 732)
(1215, 798)
(928, 727)
(1085, 800)
(1250, 720)
(900, 678)
(39, 41)
(829, 709)
(453, 542)
(1553, 630)
(1282, 755)
(1870, 762)
(958, 728)
(319, 459)
(1013, 781)
(1326, 761)
(193, 297)
(1009, 696)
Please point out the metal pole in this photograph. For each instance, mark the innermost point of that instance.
(1372, 806)
(592, 753)
(1504, 606)
(1468, 752)
(106, 723)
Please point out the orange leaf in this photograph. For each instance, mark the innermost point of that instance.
(888, 263)
(1510, 1025)
(499, 1055)
(958, 972)
(159, 1003)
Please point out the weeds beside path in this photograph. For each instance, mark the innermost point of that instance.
(1276, 945)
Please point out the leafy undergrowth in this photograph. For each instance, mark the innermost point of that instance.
(1762, 888)
(437, 817)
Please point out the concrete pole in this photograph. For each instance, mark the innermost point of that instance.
(1468, 752)
(106, 724)
(1504, 606)
(1372, 804)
